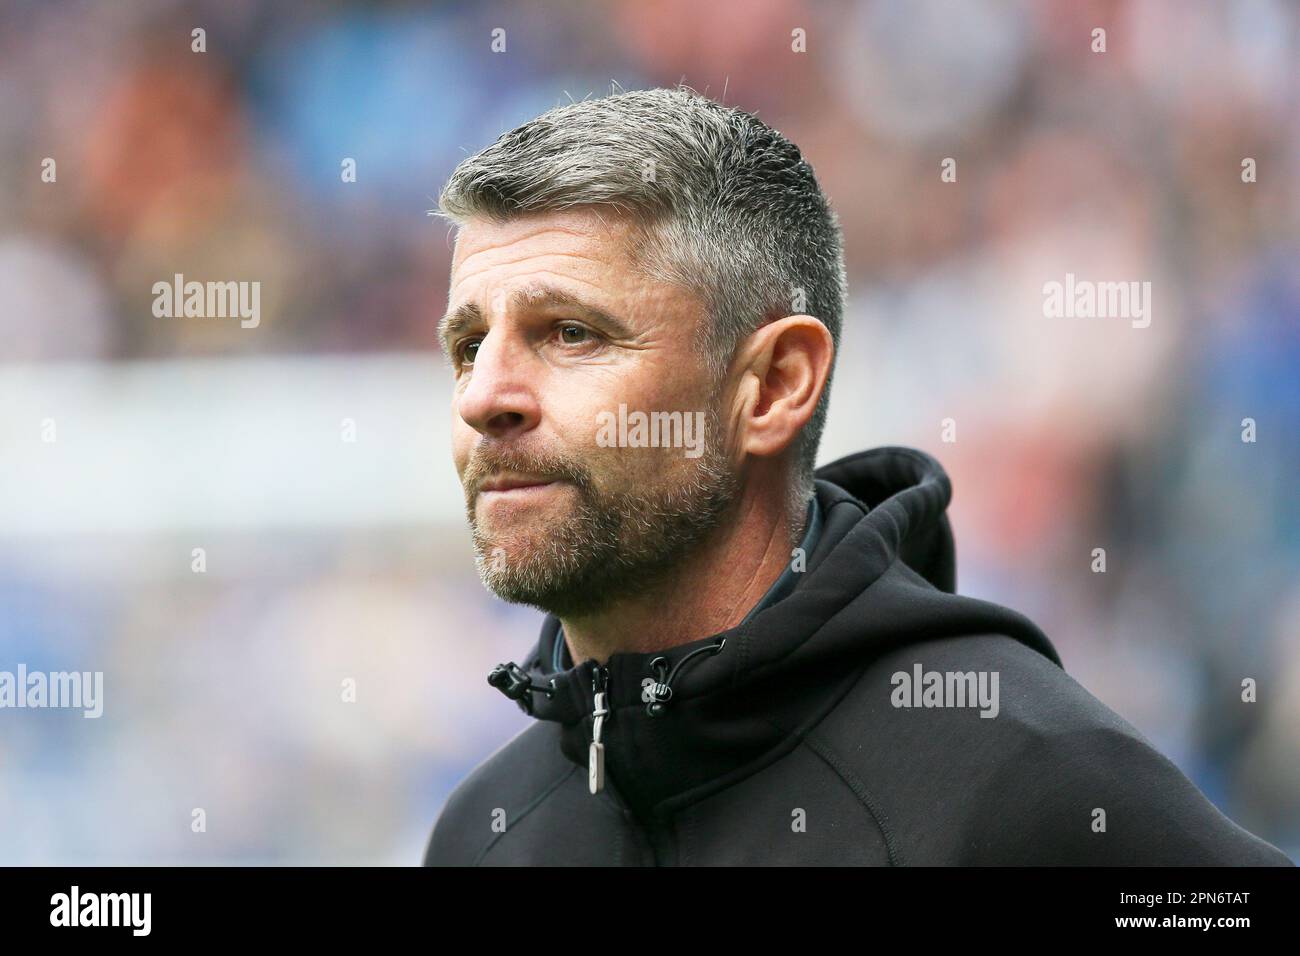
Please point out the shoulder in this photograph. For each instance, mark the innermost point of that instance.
(1049, 774)
(505, 785)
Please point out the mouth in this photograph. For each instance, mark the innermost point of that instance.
(520, 485)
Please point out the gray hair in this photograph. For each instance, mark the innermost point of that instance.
(724, 205)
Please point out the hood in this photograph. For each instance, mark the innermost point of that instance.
(691, 718)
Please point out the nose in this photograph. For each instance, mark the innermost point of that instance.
(499, 400)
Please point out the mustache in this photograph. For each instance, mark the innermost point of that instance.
(488, 461)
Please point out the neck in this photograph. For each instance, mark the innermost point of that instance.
(709, 591)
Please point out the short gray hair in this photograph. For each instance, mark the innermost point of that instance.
(727, 207)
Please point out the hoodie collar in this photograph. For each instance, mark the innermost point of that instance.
(790, 576)
(735, 698)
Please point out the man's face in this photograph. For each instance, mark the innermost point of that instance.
(550, 330)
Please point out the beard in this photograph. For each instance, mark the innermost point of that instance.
(611, 544)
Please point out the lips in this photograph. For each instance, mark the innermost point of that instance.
(514, 483)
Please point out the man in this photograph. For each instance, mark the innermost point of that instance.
(743, 661)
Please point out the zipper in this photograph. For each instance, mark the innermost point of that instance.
(656, 691)
(645, 836)
(600, 710)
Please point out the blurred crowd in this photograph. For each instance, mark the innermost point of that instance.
(1071, 434)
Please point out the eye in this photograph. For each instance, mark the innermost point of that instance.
(466, 351)
(571, 334)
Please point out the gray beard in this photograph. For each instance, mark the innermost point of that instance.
(612, 546)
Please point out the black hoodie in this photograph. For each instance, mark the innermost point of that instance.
(812, 733)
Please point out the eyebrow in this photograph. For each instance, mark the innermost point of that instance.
(533, 297)
(461, 318)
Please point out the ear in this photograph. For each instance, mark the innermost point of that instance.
(783, 368)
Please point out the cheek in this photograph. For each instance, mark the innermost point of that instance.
(571, 411)
(668, 390)
(463, 438)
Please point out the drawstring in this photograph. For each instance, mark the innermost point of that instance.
(657, 690)
(512, 680)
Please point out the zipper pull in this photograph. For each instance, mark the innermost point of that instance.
(596, 753)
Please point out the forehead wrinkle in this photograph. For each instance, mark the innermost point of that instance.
(583, 233)
(540, 295)
(596, 257)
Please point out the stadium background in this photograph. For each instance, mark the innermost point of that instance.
(329, 560)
